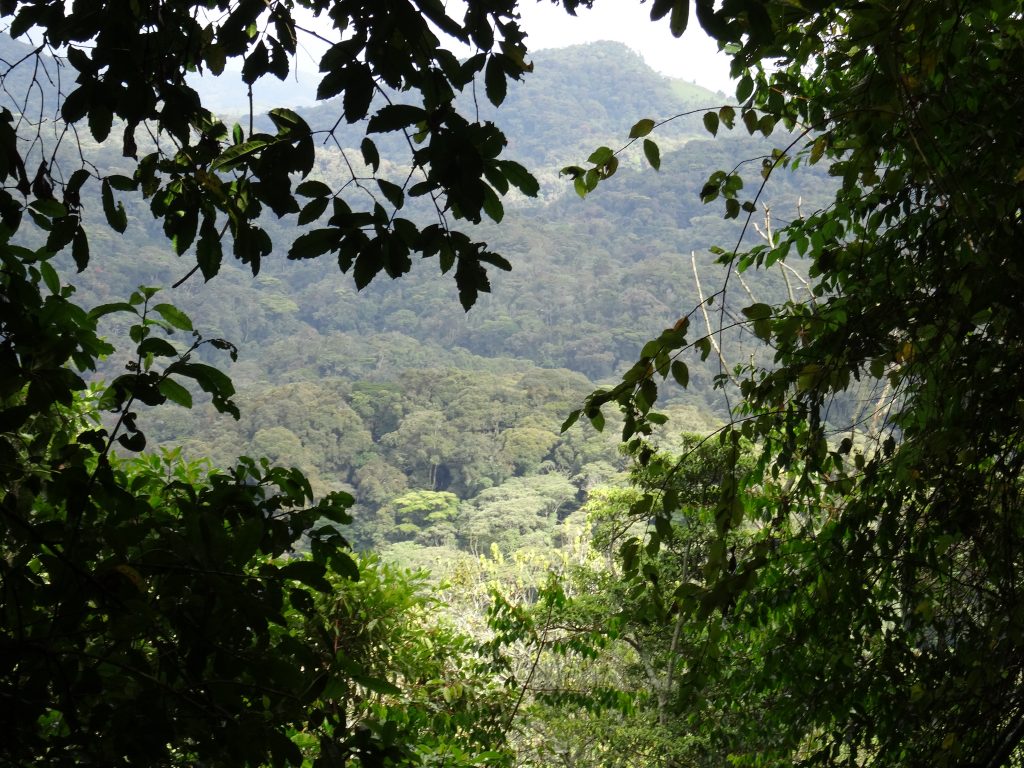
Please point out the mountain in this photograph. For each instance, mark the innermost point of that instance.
(572, 94)
(28, 84)
(591, 281)
(372, 372)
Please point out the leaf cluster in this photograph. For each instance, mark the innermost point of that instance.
(886, 564)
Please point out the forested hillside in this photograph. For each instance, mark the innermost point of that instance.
(593, 279)
(409, 392)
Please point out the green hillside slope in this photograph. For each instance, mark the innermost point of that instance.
(591, 281)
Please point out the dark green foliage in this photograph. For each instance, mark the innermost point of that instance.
(141, 595)
(402, 676)
(221, 181)
(646, 619)
(881, 570)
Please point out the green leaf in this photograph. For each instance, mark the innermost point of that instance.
(629, 554)
(570, 420)
(116, 216)
(494, 81)
(105, 309)
(122, 183)
(212, 381)
(332, 84)
(703, 345)
(653, 154)
(750, 120)
(370, 154)
(313, 244)
(641, 128)
(519, 177)
(135, 441)
(49, 207)
(601, 155)
(377, 685)
(50, 278)
(307, 572)
(744, 88)
(237, 154)
(344, 565)
(209, 252)
(246, 536)
(492, 205)
(76, 104)
(257, 64)
(681, 373)
(215, 59)
(313, 210)
(818, 149)
(758, 311)
(359, 89)
(664, 527)
(809, 376)
(312, 188)
(176, 393)
(157, 347)
(711, 122)
(100, 120)
(660, 9)
(680, 17)
(395, 117)
(174, 316)
(394, 193)
(62, 233)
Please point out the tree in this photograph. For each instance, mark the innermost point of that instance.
(424, 444)
(884, 570)
(408, 677)
(607, 689)
(427, 517)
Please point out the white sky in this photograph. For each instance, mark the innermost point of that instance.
(693, 57)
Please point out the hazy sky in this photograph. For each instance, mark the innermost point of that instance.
(692, 57)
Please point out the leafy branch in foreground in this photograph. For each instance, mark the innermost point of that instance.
(209, 183)
(141, 595)
(887, 570)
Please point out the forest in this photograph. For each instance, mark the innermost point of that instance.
(511, 407)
